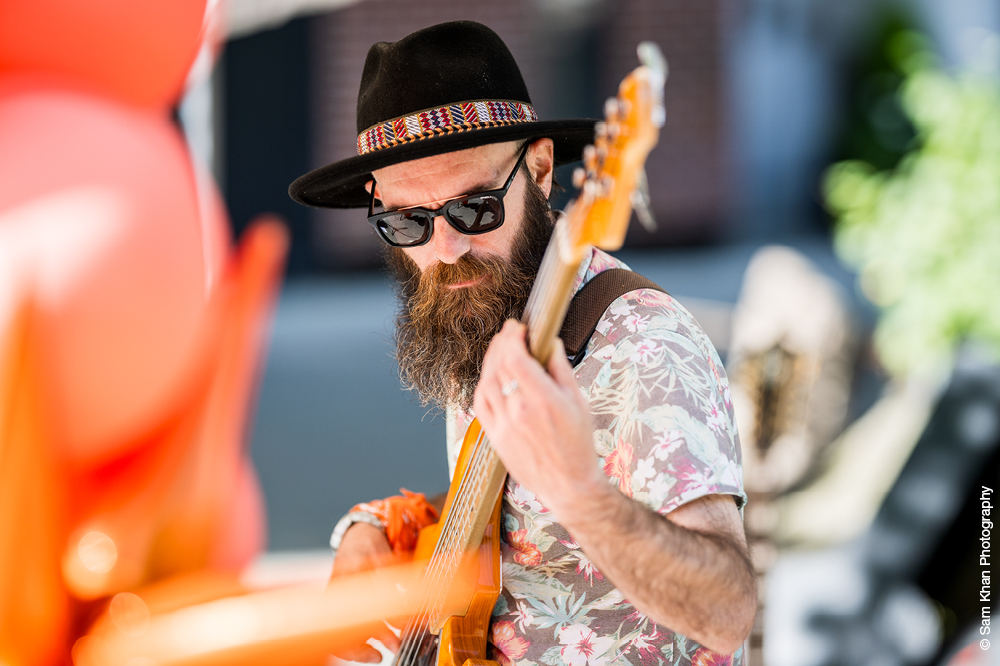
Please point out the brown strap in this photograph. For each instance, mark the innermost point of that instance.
(589, 304)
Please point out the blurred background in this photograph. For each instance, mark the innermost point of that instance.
(827, 192)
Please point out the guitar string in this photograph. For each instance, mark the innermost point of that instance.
(442, 560)
(545, 269)
(448, 555)
(533, 307)
(550, 264)
(419, 622)
(476, 474)
(444, 568)
(453, 541)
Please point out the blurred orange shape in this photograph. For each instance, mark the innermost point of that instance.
(215, 491)
(129, 614)
(135, 51)
(100, 216)
(241, 532)
(289, 626)
(87, 563)
(34, 608)
(188, 497)
(97, 552)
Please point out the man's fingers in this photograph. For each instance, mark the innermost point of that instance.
(389, 639)
(489, 400)
(532, 380)
(364, 653)
(559, 367)
(562, 372)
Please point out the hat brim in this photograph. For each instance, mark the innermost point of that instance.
(342, 184)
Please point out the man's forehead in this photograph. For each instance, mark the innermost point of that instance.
(446, 175)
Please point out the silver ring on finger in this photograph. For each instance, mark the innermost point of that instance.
(509, 388)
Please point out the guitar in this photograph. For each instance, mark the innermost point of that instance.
(447, 632)
(451, 598)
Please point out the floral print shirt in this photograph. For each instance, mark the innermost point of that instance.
(665, 434)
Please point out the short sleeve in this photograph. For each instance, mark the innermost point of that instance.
(664, 424)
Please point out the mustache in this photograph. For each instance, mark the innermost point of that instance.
(468, 268)
(435, 302)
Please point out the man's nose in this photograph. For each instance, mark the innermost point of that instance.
(449, 244)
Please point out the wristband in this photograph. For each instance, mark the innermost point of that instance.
(345, 523)
(401, 518)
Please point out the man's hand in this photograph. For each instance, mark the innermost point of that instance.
(689, 571)
(542, 431)
(365, 547)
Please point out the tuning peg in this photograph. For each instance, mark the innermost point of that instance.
(652, 58)
(607, 185)
(612, 108)
(590, 158)
(579, 177)
(641, 202)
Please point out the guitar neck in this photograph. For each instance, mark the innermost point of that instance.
(550, 296)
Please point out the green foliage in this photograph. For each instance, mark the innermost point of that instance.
(875, 127)
(925, 236)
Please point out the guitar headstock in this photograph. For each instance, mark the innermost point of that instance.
(613, 165)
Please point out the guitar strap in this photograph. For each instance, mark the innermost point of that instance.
(589, 304)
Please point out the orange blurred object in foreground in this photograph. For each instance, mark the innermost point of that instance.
(131, 335)
(123, 456)
(134, 52)
(170, 626)
(34, 605)
(185, 501)
(98, 205)
(188, 498)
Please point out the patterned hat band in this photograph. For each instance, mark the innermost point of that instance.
(460, 117)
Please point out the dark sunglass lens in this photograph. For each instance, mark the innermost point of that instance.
(404, 228)
(477, 213)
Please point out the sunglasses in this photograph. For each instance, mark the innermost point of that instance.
(470, 215)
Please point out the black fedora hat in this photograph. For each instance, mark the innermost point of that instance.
(444, 88)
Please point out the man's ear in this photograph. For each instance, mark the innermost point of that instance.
(541, 162)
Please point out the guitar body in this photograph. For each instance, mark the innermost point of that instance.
(465, 628)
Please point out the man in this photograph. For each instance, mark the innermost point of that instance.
(622, 536)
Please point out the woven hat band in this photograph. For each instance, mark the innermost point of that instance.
(460, 117)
